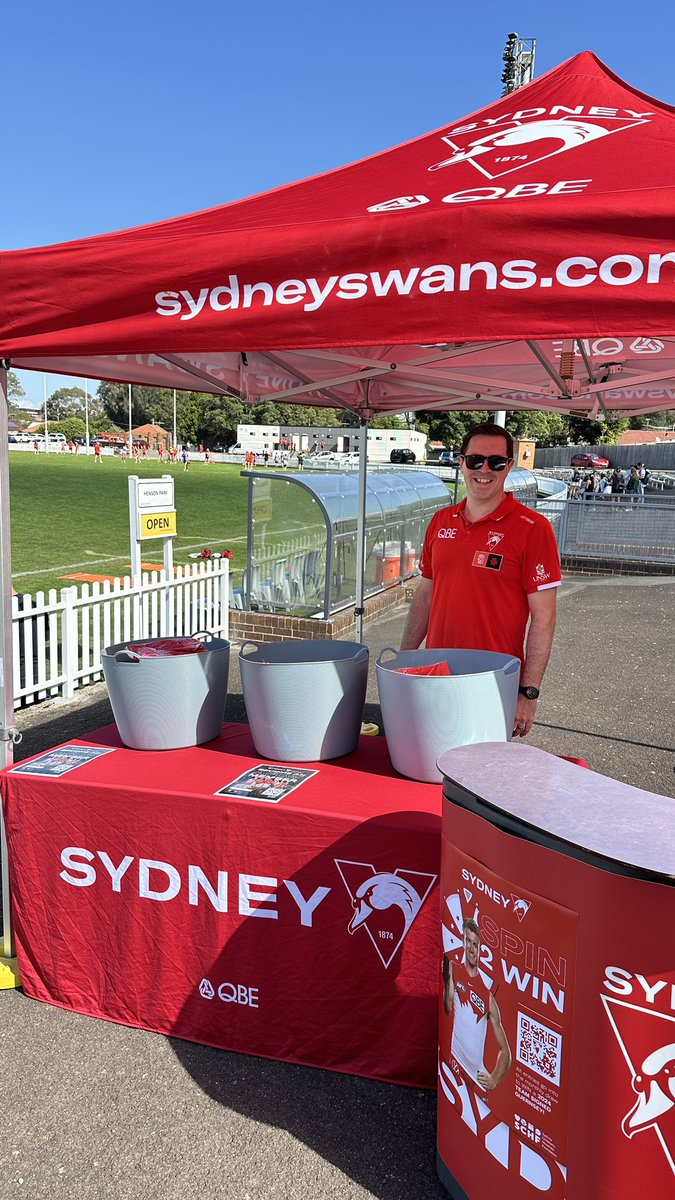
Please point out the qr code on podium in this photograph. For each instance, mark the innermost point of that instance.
(539, 1048)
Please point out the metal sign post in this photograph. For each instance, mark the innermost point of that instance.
(152, 514)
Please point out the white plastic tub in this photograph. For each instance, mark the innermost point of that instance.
(167, 703)
(304, 699)
(425, 715)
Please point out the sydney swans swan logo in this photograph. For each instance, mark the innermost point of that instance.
(523, 143)
(385, 903)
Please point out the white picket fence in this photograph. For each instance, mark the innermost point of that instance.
(58, 639)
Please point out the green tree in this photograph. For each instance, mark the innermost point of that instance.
(148, 405)
(15, 395)
(595, 433)
(190, 419)
(659, 420)
(391, 421)
(548, 429)
(450, 427)
(74, 403)
(70, 427)
(15, 390)
(220, 417)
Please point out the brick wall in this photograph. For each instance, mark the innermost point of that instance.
(278, 627)
(577, 564)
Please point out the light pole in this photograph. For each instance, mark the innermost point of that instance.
(86, 415)
(131, 436)
(175, 441)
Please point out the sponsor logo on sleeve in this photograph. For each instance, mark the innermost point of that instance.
(540, 574)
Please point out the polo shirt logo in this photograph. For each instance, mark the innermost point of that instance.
(493, 562)
(494, 539)
(447, 533)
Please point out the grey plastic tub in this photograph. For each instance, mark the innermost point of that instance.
(304, 699)
(167, 703)
(425, 715)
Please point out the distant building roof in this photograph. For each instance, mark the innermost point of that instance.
(645, 437)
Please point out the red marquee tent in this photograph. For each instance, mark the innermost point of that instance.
(522, 257)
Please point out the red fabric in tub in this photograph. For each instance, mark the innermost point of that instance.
(166, 647)
(440, 668)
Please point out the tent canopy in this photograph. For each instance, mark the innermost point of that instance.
(522, 257)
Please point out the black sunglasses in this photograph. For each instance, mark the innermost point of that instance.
(496, 462)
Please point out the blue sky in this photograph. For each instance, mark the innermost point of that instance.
(122, 114)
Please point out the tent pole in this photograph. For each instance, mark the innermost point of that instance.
(361, 529)
(8, 975)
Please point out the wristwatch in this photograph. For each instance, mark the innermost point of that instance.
(530, 693)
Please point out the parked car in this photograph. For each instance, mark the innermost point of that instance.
(593, 461)
(350, 459)
(448, 458)
(402, 456)
(323, 456)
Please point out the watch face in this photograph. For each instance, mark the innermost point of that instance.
(530, 693)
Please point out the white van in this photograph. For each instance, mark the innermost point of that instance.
(56, 440)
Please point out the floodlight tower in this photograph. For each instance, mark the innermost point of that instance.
(518, 58)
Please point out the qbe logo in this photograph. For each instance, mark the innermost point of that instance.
(231, 993)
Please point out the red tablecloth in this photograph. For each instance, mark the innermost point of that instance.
(303, 928)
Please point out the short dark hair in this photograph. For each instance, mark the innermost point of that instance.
(488, 429)
(471, 926)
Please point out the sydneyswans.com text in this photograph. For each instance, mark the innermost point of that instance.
(520, 274)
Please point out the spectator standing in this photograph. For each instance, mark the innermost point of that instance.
(633, 484)
(97, 452)
(618, 482)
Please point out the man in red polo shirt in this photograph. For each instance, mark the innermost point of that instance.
(490, 571)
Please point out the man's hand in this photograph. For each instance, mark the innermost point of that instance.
(525, 714)
(446, 970)
(486, 1081)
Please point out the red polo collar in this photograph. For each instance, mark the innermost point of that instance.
(507, 505)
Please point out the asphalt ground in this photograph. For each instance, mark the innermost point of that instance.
(101, 1112)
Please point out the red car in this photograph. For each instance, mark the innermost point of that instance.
(589, 460)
